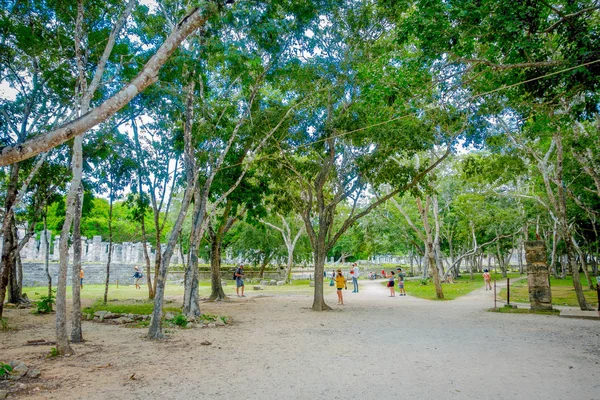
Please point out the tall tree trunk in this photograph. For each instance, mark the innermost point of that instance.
(62, 341)
(76, 331)
(216, 286)
(424, 211)
(553, 255)
(564, 224)
(191, 301)
(7, 235)
(155, 329)
(110, 238)
(319, 299)
(14, 294)
(47, 255)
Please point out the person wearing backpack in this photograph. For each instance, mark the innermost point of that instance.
(239, 280)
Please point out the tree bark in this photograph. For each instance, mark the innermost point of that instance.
(564, 224)
(430, 247)
(110, 237)
(155, 329)
(8, 245)
(76, 331)
(216, 286)
(47, 255)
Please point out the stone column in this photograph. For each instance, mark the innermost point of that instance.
(56, 251)
(96, 248)
(538, 277)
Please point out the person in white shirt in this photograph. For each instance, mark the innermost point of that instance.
(355, 278)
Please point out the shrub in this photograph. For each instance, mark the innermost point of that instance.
(424, 282)
(180, 320)
(53, 352)
(44, 304)
(3, 324)
(5, 369)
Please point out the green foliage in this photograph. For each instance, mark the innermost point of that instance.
(5, 369)
(144, 307)
(179, 320)
(53, 352)
(3, 324)
(44, 303)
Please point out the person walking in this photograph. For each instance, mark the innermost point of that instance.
(355, 274)
(81, 278)
(340, 283)
(391, 284)
(488, 279)
(401, 291)
(137, 275)
(239, 280)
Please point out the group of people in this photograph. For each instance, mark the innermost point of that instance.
(391, 282)
(339, 280)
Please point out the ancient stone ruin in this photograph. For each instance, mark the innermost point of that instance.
(538, 276)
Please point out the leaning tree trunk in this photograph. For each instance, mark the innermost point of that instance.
(160, 280)
(76, 331)
(155, 330)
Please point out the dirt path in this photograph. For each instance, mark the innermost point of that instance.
(374, 347)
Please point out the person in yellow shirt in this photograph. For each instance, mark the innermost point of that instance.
(81, 278)
(340, 283)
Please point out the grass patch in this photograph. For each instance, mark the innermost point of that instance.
(461, 286)
(140, 308)
(563, 293)
(510, 310)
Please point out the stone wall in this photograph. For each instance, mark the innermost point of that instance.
(34, 274)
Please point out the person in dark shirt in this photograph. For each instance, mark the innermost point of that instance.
(239, 280)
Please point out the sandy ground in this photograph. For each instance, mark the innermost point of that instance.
(374, 347)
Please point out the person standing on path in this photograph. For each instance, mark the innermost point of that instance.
(340, 283)
(488, 279)
(355, 274)
(137, 275)
(401, 291)
(239, 280)
(391, 284)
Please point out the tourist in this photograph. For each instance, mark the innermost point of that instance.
(383, 273)
(81, 278)
(239, 280)
(137, 275)
(401, 291)
(391, 284)
(340, 283)
(488, 279)
(354, 272)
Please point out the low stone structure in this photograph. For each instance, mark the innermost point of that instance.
(538, 277)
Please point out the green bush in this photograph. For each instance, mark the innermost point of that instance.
(424, 282)
(53, 352)
(3, 324)
(5, 369)
(44, 304)
(180, 320)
